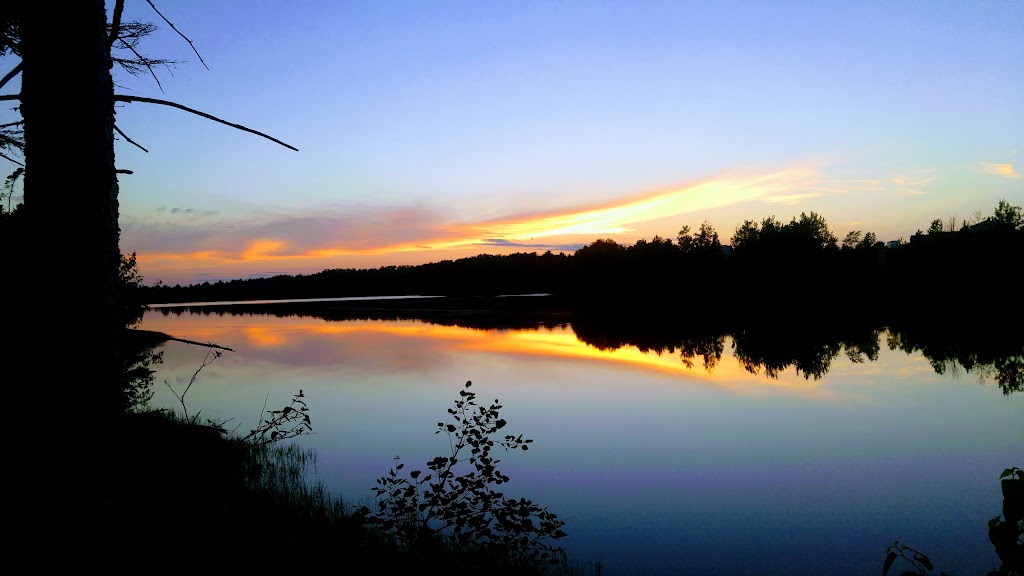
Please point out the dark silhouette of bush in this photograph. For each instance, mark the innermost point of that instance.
(456, 507)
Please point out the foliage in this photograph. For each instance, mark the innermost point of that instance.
(1006, 534)
(704, 242)
(809, 232)
(857, 240)
(852, 239)
(136, 359)
(456, 505)
(1009, 216)
(12, 178)
(922, 565)
(685, 239)
(707, 239)
(132, 290)
(273, 426)
(283, 424)
(136, 363)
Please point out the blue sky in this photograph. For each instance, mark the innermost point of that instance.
(434, 130)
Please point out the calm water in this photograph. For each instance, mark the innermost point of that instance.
(658, 467)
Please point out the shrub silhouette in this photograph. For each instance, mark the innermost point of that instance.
(455, 506)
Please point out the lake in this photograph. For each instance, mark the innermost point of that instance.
(659, 463)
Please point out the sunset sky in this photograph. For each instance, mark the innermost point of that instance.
(437, 130)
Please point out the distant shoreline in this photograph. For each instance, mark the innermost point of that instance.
(285, 301)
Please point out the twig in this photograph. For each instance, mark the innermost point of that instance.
(122, 171)
(10, 97)
(14, 72)
(130, 141)
(206, 362)
(171, 24)
(145, 62)
(264, 409)
(125, 98)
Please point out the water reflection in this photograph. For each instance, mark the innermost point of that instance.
(417, 346)
(660, 444)
(770, 349)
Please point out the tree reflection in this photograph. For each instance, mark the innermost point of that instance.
(766, 347)
(982, 349)
(809, 351)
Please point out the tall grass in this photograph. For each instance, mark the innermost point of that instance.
(280, 475)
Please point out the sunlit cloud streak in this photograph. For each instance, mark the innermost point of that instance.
(186, 238)
(1006, 170)
(791, 199)
(500, 243)
(617, 218)
(620, 217)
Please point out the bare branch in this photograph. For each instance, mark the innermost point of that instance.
(130, 141)
(115, 24)
(121, 171)
(10, 96)
(145, 62)
(9, 159)
(203, 344)
(14, 72)
(181, 397)
(124, 98)
(171, 24)
(160, 337)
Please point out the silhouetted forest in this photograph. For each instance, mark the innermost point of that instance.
(768, 268)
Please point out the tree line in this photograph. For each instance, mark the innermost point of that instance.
(766, 266)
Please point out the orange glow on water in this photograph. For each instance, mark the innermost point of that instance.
(364, 338)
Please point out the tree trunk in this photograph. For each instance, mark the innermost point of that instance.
(70, 184)
(66, 319)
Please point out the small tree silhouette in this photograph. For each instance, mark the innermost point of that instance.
(457, 507)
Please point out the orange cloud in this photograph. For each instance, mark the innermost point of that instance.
(996, 169)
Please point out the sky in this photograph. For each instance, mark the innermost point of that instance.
(438, 130)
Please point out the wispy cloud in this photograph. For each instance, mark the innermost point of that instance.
(912, 184)
(524, 245)
(1005, 170)
(910, 181)
(791, 199)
